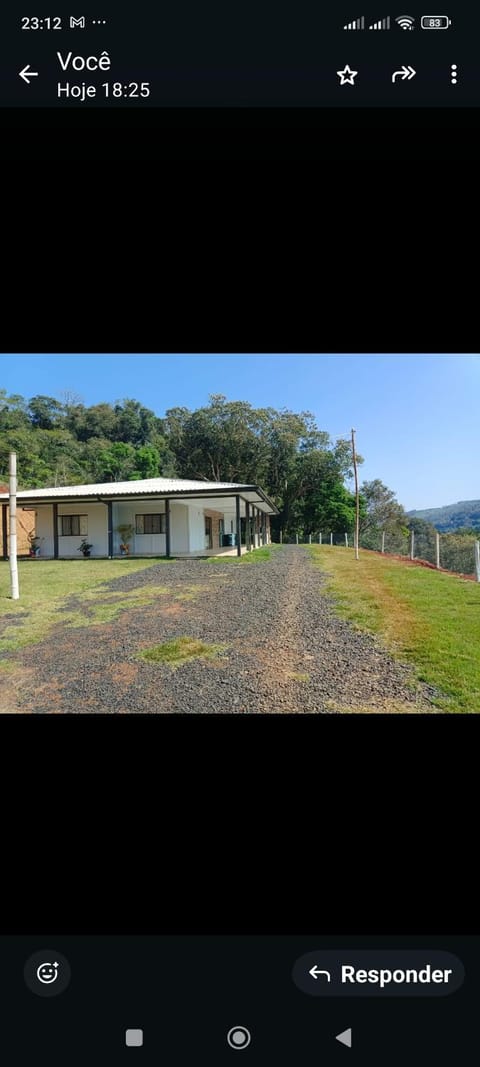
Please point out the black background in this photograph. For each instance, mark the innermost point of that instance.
(329, 135)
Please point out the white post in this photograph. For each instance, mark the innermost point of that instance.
(438, 551)
(13, 527)
(477, 559)
(383, 541)
(309, 539)
(319, 538)
(357, 496)
(346, 540)
(412, 546)
(331, 539)
(296, 539)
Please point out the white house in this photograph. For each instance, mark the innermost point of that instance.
(167, 517)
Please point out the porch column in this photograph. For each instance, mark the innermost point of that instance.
(110, 529)
(4, 530)
(264, 528)
(167, 528)
(248, 541)
(238, 526)
(55, 530)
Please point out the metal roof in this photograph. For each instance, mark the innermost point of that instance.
(143, 487)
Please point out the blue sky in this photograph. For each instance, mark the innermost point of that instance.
(416, 416)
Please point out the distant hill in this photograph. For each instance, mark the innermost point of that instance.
(451, 517)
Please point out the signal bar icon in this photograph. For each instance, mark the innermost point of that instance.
(382, 24)
(357, 24)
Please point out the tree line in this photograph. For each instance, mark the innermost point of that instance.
(63, 442)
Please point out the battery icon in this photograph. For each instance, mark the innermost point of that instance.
(435, 22)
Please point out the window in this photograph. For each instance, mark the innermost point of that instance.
(73, 525)
(150, 524)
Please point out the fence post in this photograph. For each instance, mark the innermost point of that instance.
(477, 560)
(296, 539)
(438, 551)
(383, 541)
(412, 546)
(319, 538)
(309, 539)
(346, 540)
(281, 536)
(331, 539)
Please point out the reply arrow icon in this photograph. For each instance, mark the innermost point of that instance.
(26, 74)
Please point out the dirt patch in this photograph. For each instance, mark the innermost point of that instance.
(124, 674)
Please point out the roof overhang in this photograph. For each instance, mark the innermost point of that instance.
(251, 493)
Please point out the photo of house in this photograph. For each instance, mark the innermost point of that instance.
(150, 517)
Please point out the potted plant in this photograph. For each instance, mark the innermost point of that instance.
(84, 547)
(126, 532)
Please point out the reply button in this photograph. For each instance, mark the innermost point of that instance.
(366, 973)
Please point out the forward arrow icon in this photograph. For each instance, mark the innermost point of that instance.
(405, 73)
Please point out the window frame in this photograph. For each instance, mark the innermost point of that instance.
(82, 526)
(146, 515)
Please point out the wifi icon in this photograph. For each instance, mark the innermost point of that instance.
(405, 22)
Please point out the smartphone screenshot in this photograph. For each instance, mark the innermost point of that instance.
(266, 55)
(238, 650)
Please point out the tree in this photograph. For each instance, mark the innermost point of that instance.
(45, 412)
(381, 513)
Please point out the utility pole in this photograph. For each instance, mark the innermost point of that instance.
(13, 527)
(357, 499)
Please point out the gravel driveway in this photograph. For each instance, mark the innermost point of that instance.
(286, 649)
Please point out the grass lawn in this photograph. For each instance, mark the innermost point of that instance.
(425, 618)
(45, 586)
(257, 555)
(180, 650)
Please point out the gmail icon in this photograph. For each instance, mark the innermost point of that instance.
(77, 23)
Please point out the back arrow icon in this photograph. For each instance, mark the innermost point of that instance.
(316, 972)
(26, 74)
(405, 72)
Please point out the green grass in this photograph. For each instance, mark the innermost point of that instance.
(257, 555)
(46, 586)
(428, 619)
(180, 651)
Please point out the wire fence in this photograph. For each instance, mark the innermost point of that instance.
(458, 553)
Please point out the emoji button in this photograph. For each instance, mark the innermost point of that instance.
(47, 973)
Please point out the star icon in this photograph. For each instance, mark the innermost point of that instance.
(347, 76)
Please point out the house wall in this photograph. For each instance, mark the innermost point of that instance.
(140, 544)
(151, 544)
(97, 530)
(196, 524)
(179, 528)
(44, 528)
